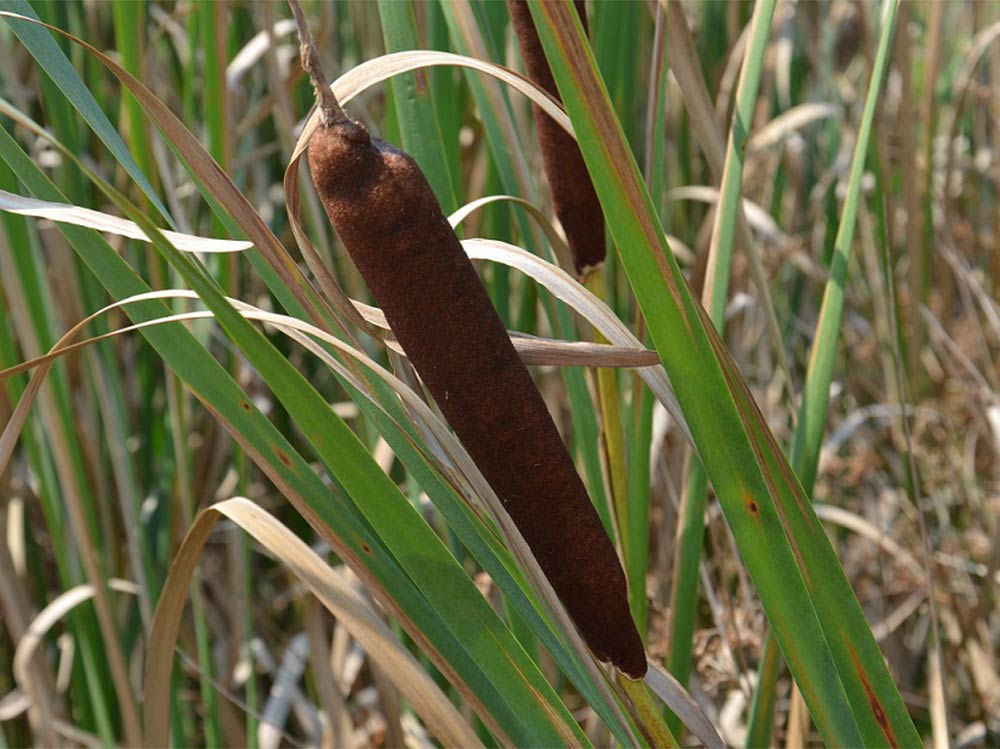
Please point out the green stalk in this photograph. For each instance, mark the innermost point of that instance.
(415, 105)
(807, 441)
(613, 440)
(691, 523)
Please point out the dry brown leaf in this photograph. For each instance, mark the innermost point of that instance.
(71, 214)
(382, 646)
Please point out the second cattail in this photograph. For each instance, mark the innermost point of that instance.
(573, 197)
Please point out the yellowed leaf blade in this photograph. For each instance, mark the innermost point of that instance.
(72, 214)
(382, 646)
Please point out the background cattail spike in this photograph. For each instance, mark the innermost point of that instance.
(573, 197)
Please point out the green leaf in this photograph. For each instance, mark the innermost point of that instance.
(815, 614)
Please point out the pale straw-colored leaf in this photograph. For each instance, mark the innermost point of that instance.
(676, 697)
(566, 288)
(14, 703)
(382, 646)
(255, 49)
(71, 214)
(32, 639)
(378, 69)
(542, 351)
(549, 228)
(787, 123)
(756, 216)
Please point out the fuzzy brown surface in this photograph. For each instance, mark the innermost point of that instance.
(386, 214)
(573, 197)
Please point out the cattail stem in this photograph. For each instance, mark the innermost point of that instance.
(648, 714)
(330, 111)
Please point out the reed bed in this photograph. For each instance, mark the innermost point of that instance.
(561, 374)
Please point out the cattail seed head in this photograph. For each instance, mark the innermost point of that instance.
(390, 222)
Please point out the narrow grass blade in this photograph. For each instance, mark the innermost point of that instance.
(415, 105)
(54, 62)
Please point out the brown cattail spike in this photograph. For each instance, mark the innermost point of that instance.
(385, 212)
(573, 197)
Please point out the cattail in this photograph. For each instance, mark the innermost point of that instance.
(573, 197)
(390, 222)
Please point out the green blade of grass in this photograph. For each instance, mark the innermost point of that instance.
(415, 105)
(816, 390)
(54, 62)
(808, 438)
(814, 612)
(691, 526)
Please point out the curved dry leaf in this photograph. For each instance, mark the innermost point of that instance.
(674, 696)
(549, 227)
(13, 704)
(681, 251)
(539, 350)
(41, 719)
(105, 222)
(255, 49)
(378, 69)
(865, 529)
(77, 735)
(597, 313)
(381, 645)
(757, 217)
(895, 618)
(548, 352)
(786, 123)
